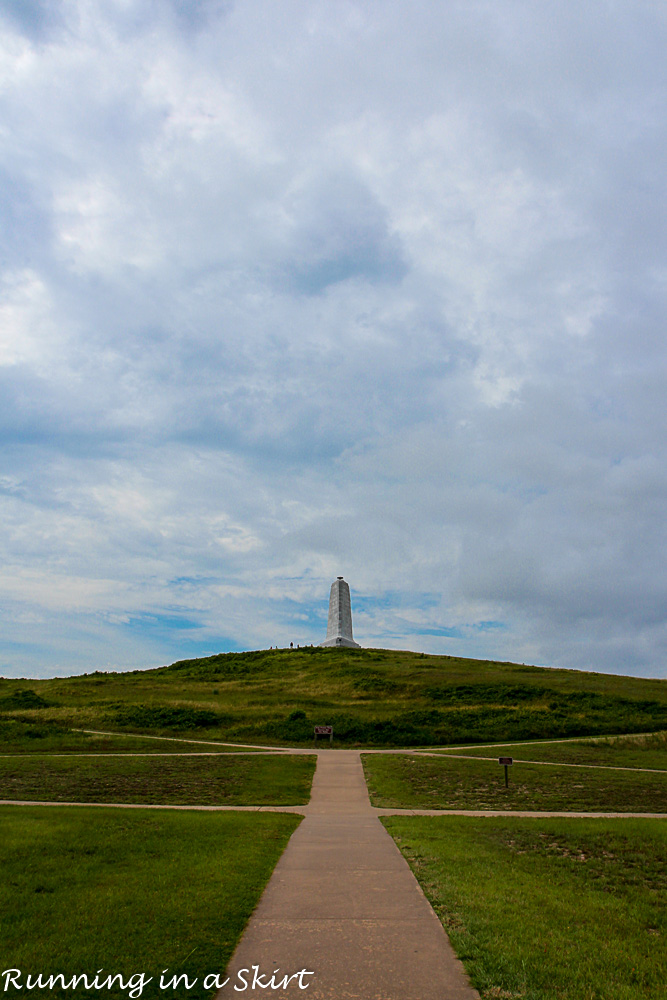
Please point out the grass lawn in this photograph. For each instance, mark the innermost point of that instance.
(452, 783)
(23, 737)
(553, 909)
(130, 891)
(631, 751)
(216, 780)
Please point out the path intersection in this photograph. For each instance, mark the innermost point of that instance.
(342, 917)
(343, 903)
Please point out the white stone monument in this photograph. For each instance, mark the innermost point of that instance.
(339, 626)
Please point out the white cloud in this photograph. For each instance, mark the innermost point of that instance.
(292, 291)
(26, 326)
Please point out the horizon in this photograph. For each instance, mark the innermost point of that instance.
(288, 649)
(294, 290)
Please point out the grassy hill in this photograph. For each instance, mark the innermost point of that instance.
(372, 697)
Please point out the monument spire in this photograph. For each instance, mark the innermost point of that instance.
(339, 625)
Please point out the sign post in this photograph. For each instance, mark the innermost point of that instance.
(507, 761)
(324, 731)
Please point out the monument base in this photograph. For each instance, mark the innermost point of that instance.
(340, 641)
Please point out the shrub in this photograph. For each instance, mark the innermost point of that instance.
(24, 698)
(166, 717)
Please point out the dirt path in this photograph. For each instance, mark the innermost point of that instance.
(343, 904)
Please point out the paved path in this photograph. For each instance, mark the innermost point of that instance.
(343, 903)
(178, 739)
(381, 811)
(562, 739)
(273, 753)
(520, 813)
(152, 753)
(543, 763)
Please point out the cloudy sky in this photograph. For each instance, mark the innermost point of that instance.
(291, 289)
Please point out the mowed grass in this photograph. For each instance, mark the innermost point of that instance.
(27, 738)
(372, 697)
(442, 782)
(171, 780)
(547, 909)
(648, 751)
(130, 891)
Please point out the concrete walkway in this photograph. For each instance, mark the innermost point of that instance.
(544, 763)
(377, 811)
(343, 904)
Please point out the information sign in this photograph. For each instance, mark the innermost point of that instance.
(506, 761)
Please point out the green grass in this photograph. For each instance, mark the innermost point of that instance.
(130, 891)
(637, 751)
(216, 780)
(547, 909)
(442, 782)
(371, 697)
(36, 738)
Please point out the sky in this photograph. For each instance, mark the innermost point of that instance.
(294, 289)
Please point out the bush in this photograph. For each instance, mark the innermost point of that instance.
(24, 698)
(165, 717)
